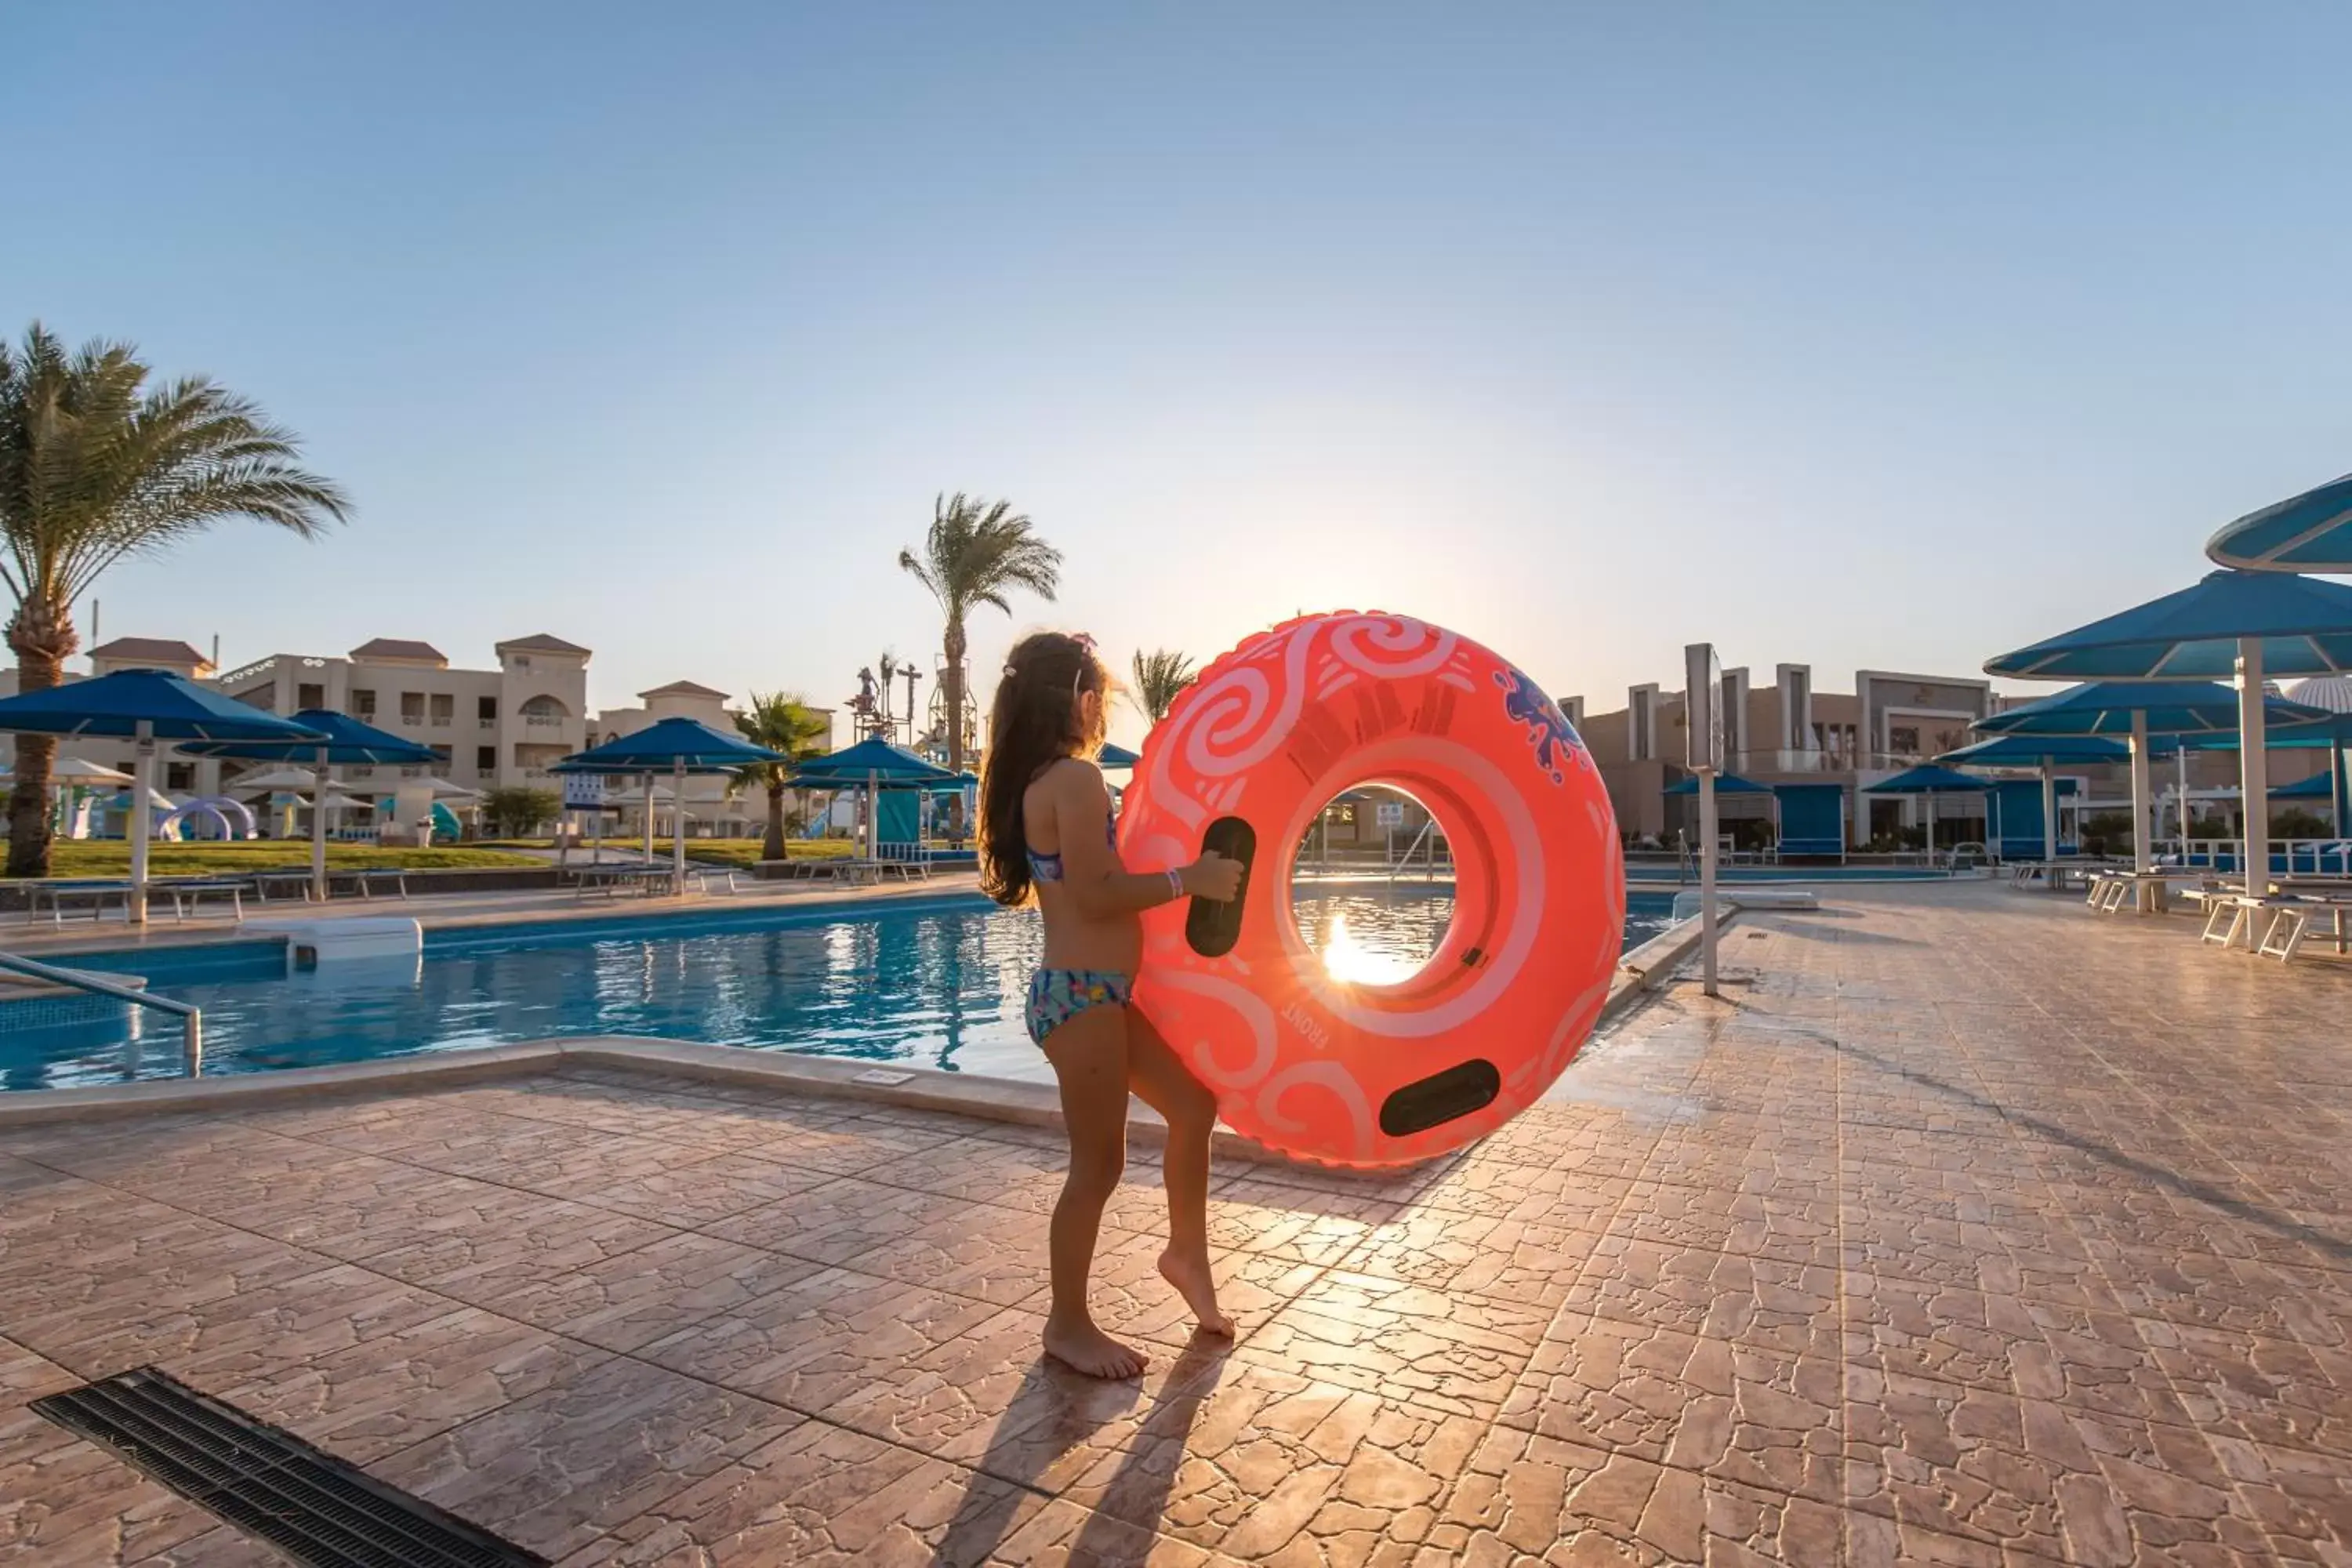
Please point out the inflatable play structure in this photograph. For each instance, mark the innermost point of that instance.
(1365, 1074)
(446, 825)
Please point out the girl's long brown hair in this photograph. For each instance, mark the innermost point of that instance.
(1033, 723)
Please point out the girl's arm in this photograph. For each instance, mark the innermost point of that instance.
(1099, 885)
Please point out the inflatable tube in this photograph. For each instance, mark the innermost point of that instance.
(1366, 1075)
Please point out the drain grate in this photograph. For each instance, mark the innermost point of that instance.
(310, 1505)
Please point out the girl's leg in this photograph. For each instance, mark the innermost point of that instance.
(1089, 1056)
(1155, 1073)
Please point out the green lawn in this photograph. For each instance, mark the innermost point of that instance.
(745, 852)
(75, 857)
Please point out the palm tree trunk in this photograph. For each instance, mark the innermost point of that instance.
(952, 692)
(772, 847)
(43, 637)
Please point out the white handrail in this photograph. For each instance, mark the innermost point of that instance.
(191, 1016)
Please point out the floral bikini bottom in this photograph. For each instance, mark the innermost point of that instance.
(1058, 996)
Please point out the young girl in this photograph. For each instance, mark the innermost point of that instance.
(1046, 828)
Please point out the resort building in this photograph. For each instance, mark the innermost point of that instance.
(491, 728)
(1821, 751)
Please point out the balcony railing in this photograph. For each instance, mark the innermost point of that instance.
(414, 721)
(545, 720)
(488, 724)
(1786, 761)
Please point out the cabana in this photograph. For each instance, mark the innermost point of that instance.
(1812, 820)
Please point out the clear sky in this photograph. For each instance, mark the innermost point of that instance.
(1861, 335)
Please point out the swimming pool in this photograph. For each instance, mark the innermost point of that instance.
(934, 983)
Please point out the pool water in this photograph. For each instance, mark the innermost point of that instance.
(934, 983)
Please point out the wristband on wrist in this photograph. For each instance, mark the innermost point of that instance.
(1175, 883)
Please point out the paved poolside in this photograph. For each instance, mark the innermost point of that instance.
(1971, 1228)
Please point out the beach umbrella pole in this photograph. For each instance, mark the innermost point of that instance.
(649, 818)
(678, 826)
(2180, 761)
(2049, 813)
(2253, 763)
(142, 782)
(2139, 790)
(318, 831)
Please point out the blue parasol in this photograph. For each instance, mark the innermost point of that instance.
(2309, 532)
(678, 747)
(344, 741)
(144, 706)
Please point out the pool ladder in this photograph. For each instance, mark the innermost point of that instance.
(192, 1017)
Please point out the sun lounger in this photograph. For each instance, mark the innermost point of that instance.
(57, 895)
(192, 892)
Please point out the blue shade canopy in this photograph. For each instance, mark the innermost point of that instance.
(663, 747)
(2033, 750)
(173, 706)
(1725, 784)
(1930, 779)
(2318, 786)
(346, 739)
(2304, 624)
(2309, 532)
(872, 758)
(2318, 734)
(1112, 756)
(2105, 708)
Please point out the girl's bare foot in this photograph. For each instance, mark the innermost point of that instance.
(1082, 1347)
(1193, 1282)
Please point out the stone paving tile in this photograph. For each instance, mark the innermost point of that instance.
(2063, 1483)
(1763, 1217)
(988, 1398)
(92, 1303)
(819, 1340)
(1129, 1299)
(838, 1222)
(543, 1240)
(1768, 1302)
(1454, 1352)
(277, 1325)
(712, 1189)
(388, 1392)
(2303, 1500)
(1478, 1255)
(69, 1502)
(995, 1255)
(1299, 1224)
(2273, 1392)
(1265, 1465)
(552, 1471)
(2311, 1306)
(1730, 1411)
(821, 1496)
(625, 1303)
(1525, 1498)
(1501, 1189)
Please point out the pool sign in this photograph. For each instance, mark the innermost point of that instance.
(583, 792)
(1389, 813)
(1703, 706)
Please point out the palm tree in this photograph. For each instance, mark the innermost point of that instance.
(782, 722)
(1160, 675)
(977, 552)
(94, 466)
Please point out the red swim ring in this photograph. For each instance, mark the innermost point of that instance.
(1364, 1075)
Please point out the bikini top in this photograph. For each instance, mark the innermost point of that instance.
(1044, 867)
